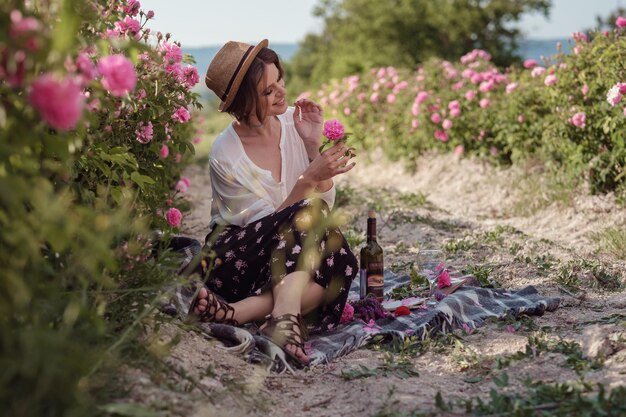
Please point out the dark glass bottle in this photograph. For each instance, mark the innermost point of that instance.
(371, 278)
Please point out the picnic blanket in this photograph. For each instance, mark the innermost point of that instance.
(468, 307)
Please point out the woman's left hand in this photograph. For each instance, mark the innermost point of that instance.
(309, 121)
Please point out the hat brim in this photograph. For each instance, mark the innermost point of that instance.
(242, 72)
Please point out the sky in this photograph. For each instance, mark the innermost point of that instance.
(214, 22)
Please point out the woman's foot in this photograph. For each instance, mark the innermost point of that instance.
(289, 332)
(208, 306)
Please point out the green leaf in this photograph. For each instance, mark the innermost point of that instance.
(141, 180)
(502, 380)
(472, 379)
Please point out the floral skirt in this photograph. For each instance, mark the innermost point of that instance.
(239, 262)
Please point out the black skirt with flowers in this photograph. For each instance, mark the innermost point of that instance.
(239, 262)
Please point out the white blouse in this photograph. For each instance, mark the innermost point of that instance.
(242, 191)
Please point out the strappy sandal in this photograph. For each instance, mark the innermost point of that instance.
(217, 310)
(282, 331)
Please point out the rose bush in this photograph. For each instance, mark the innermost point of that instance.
(565, 111)
(94, 128)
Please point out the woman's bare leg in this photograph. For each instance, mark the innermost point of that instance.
(259, 306)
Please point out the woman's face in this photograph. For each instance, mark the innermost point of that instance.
(272, 93)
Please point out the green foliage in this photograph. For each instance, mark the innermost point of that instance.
(362, 34)
(590, 274)
(77, 205)
(555, 400)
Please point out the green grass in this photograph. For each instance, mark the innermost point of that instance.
(612, 240)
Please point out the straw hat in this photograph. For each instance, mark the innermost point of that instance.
(228, 67)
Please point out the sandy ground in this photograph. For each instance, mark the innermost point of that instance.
(459, 201)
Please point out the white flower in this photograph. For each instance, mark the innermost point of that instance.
(614, 96)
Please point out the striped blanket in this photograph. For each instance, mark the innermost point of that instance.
(468, 307)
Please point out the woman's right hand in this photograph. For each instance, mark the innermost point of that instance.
(333, 161)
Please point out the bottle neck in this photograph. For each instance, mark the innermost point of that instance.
(371, 230)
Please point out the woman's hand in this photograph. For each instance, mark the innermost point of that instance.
(309, 121)
(333, 161)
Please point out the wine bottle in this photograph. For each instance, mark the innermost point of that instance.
(371, 278)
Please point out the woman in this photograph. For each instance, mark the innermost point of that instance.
(272, 251)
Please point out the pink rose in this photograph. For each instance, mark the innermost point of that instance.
(173, 53)
(484, 103)
(444, 279)
(441, 135)
(333, 130)
(348, 314)
(86, 67)
(458, 150)
(435, 118)
(470, 95)
(144, 133)
(537, 71)
(391, 98)
(150, 14)
(511, 87)
(164, 152)
(173, 216)
(181, 115)
(186, 181)
(190, 75)
(584, 89)
(620, 22)
(59, 103)
(530, 64)
(455, 112)
(447, 124)
(118, 74)
(132, 7)
(579, 119)
(21, 25)
(550, 80)
(421, 97)
(374, 97)
(181, 186)
(521, 118)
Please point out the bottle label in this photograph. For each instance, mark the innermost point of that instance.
(375, 280)
(362, 283)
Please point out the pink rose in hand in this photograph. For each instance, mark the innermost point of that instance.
(333, 130)
(59, 102)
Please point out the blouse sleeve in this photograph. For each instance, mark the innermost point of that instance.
(237, 203)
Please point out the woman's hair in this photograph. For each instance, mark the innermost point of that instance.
(247, 96)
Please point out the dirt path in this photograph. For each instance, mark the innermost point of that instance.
(482, 216)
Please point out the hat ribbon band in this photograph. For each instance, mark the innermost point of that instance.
(232, 79)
